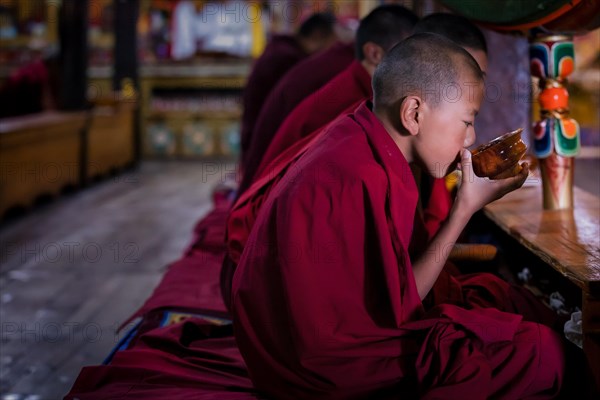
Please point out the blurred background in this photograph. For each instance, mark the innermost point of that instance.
(119, 118)
(177, 69)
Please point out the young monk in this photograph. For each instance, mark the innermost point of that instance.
(327, 303)
(379, 31)
(281, 54)
(326, 104)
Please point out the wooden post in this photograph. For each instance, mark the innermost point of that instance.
(126, 60)
(73, 54)
(125, 75)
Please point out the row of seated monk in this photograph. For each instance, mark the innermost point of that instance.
(333, 273)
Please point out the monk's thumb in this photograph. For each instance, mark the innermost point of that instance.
(466, 164)
(465, 157)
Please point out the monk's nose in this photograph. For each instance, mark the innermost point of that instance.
(470, 139)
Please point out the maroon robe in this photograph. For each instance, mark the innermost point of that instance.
(300, 81)
(244, 211)
(438, 206)
(281, 54)
(346, 90)
(188, 360)
(326, 306)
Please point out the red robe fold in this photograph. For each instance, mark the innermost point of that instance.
(281, 54)
(324, 299)
(437, 206)
(245, 209)
(300, 81)
(188, 360)
(348, 89)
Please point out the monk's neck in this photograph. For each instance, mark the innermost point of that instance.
(402, 141)
(369, 67)
(308, 46)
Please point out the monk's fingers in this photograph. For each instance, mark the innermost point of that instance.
(515, 182)
(525, 169)
(520, 178)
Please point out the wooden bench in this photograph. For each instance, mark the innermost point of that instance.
(110, 143)
(40, 154)
(568, 241)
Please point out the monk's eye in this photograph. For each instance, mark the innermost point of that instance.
(468, 124)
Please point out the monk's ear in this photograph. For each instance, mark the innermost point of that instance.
(410, 109)
(373, 53)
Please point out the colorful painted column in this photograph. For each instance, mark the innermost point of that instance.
(556, 140)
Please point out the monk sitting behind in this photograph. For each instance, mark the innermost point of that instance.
(326, 301)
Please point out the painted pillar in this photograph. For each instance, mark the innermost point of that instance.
(556, 135)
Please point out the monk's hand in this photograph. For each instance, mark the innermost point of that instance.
(476, 192)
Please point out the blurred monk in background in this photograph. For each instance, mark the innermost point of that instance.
(282, 53)
(379, 31)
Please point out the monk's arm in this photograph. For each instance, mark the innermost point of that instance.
(428, 267)
(474, 193)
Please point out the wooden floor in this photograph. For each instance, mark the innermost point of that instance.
(73, 270)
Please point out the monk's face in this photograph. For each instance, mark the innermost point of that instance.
(317, 43)
(448, 127)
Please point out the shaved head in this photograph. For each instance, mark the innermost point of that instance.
(454, 27)
(385, 26)
(319, 25)
(422, 65)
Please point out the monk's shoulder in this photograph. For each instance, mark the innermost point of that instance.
(334, 91)
(343, 157)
